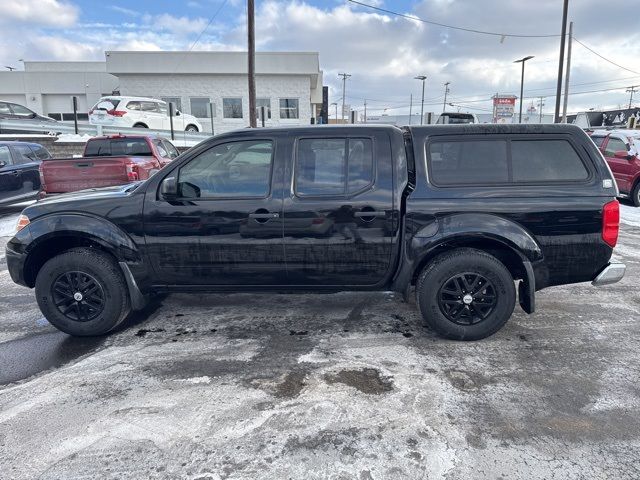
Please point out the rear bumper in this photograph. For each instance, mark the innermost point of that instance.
(612, 273)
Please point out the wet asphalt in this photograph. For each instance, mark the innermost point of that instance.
(340, 386)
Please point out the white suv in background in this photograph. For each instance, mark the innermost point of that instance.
(140, 112)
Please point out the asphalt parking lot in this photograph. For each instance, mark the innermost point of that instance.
(341, 386)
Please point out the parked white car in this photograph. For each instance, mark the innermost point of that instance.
(140, 112)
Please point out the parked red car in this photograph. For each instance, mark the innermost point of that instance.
(107, 161)
(621, 149)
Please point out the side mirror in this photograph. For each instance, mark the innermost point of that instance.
(3, 164)
(623, 154)
(169, 188)
(177, 113)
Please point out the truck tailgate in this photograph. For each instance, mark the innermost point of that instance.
(72, 174)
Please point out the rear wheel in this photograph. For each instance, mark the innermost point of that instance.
(82, 292)
(465, 294)
(635, 195)
(191, 129)
(140, 125)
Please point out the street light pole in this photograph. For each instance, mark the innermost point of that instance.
(423, 78)
(344, 84)
(446, 90)
(522, 60)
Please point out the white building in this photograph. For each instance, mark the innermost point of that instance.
(288, 84)
(48, 87)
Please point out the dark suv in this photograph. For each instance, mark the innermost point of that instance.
(464, 213)
(19, 175)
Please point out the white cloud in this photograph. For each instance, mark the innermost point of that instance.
(54, 13)
(125, 11)
(177, 25)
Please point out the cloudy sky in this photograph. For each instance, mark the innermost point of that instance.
(381, 51)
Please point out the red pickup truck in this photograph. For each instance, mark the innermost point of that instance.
(107, 161)
(621, 150)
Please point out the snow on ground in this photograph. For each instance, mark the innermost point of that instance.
(73, 138)
(630, 215)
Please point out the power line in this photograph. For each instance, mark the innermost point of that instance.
(453, 27)
(605, 58)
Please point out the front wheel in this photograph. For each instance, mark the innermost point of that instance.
(191, 129)
(466, 294)
(82, 292)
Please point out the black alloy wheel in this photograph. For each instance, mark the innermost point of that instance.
(467, 298)
(78, 296)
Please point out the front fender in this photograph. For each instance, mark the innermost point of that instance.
(87, 226)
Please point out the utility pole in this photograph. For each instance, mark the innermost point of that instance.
(423, 78)
(446, 90)
(365, 110)
(251, 37)
(410, 107)
(632, 90)
(344, 85)
(568, 72)
(563, 38)
(541, 104)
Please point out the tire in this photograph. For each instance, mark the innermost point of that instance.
(191, 128)
(97, 314)
(480, 314)
(635, 195)
(140, 125)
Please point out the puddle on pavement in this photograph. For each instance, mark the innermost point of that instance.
(367, 380)
(25, 357)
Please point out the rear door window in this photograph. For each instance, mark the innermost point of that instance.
(333, 166)
(546, 160)
(24, 154)
(4, 109)
(598, 141)
(41, 152)
(469, 162)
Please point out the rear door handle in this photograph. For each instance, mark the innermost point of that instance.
(264, 215)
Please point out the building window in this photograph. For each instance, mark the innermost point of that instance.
(177, 102)
(232, 107)
(289, 108)
(266, 103)
(200, 107)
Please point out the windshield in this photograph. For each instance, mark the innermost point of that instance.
(455, 118)
(106, 103)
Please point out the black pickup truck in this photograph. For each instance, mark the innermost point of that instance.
(465, 213)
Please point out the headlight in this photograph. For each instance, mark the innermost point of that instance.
(23, 221)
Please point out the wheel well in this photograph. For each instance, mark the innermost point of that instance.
(140, 124)
(192, 125)
(506, 255)
(52, 248)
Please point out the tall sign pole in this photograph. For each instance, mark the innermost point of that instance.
(251, 37)
(563, 38)
(446, 90)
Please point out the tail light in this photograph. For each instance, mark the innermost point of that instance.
(132, 173)
(116, 113)
(611, 222)
(317, 221)
(42, 184)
